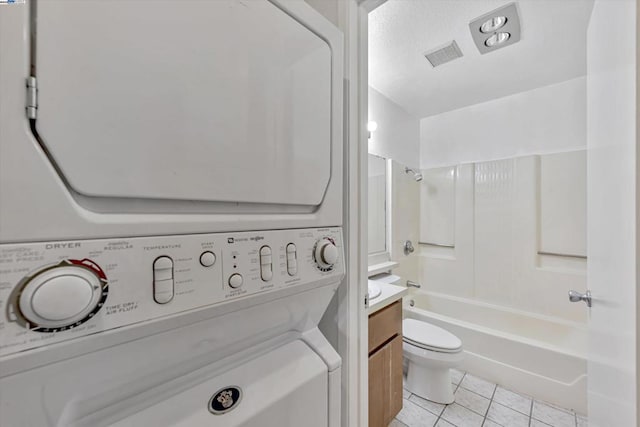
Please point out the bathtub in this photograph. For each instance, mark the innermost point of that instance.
(542, 356)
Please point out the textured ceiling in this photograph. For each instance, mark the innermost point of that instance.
(552, 49)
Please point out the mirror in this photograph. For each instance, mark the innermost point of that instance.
(377, 204)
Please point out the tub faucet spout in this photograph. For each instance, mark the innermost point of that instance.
(411, 284)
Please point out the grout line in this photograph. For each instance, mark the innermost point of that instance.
(477, 394)
(445, 406)
(490, 403)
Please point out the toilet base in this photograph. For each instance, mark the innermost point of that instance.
(429, 383)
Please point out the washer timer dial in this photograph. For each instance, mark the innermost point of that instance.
(62, 296)
(326, 254)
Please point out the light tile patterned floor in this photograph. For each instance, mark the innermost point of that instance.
(480, 403)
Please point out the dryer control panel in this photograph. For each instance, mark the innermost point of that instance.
(56, 291)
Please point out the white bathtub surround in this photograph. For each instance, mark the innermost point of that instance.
(503, 408)
(501, 220)
(496, 338)
(404, 220)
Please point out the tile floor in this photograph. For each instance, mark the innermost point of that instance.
(480, 403)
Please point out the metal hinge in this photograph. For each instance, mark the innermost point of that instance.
(366, 300)
(32, 98)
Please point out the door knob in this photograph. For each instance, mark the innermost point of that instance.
(575, 296)
(408, 247)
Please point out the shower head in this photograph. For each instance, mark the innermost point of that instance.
(416, 175)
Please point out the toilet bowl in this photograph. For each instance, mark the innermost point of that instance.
(431, 352)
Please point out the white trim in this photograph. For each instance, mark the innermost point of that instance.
(351, 311)
(383, 256)
(357, 48)
(352, 316)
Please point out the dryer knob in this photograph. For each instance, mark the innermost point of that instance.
(326, 253)
(61, 297)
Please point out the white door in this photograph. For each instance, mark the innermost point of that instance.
(612, 233)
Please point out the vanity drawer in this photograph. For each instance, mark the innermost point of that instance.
(384, 325)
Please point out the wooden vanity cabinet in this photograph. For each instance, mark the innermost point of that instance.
(385, 365)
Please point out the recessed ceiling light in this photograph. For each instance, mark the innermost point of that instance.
(493, 24)
(496, 39)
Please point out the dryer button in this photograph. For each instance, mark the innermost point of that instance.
(207, 259)
(266, 264)
(163, 280)
(292, 262)
(235, 280)
(163, 291)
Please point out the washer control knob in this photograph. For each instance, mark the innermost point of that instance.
(207, 259)
(63, 296)
(235, 280)
(326, 253)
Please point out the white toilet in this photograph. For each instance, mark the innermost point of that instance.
(431, 352)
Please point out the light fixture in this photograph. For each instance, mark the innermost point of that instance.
(496, 39)
(493, 24)
(496, 29)
(371, 127)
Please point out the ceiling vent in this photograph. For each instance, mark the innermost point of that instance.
(444, 54)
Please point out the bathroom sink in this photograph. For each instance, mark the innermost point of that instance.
(374, 290)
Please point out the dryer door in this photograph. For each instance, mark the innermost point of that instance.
(219, 101)
(287, 387)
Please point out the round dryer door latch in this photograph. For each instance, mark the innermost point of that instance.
(63, 296)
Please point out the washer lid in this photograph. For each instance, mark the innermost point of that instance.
(218, 101)
(424, 334)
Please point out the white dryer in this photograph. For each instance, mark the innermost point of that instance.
(170, 213)
(169, 117)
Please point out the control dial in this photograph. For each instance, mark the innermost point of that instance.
(62, 296)
(326, 254)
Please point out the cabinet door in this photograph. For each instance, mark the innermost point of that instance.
(378, 387)
(395, 378)
(384, 325)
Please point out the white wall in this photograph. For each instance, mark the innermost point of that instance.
(398, 134)
(544, 120)
(498, 234)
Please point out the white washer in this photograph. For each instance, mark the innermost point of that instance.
(170, 213)
(138, 331)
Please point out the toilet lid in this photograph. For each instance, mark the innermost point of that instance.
(426, 335)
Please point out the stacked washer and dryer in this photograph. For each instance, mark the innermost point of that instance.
(170, 213)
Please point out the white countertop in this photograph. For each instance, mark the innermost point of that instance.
(389, 295)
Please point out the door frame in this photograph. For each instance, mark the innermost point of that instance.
(356, 31)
